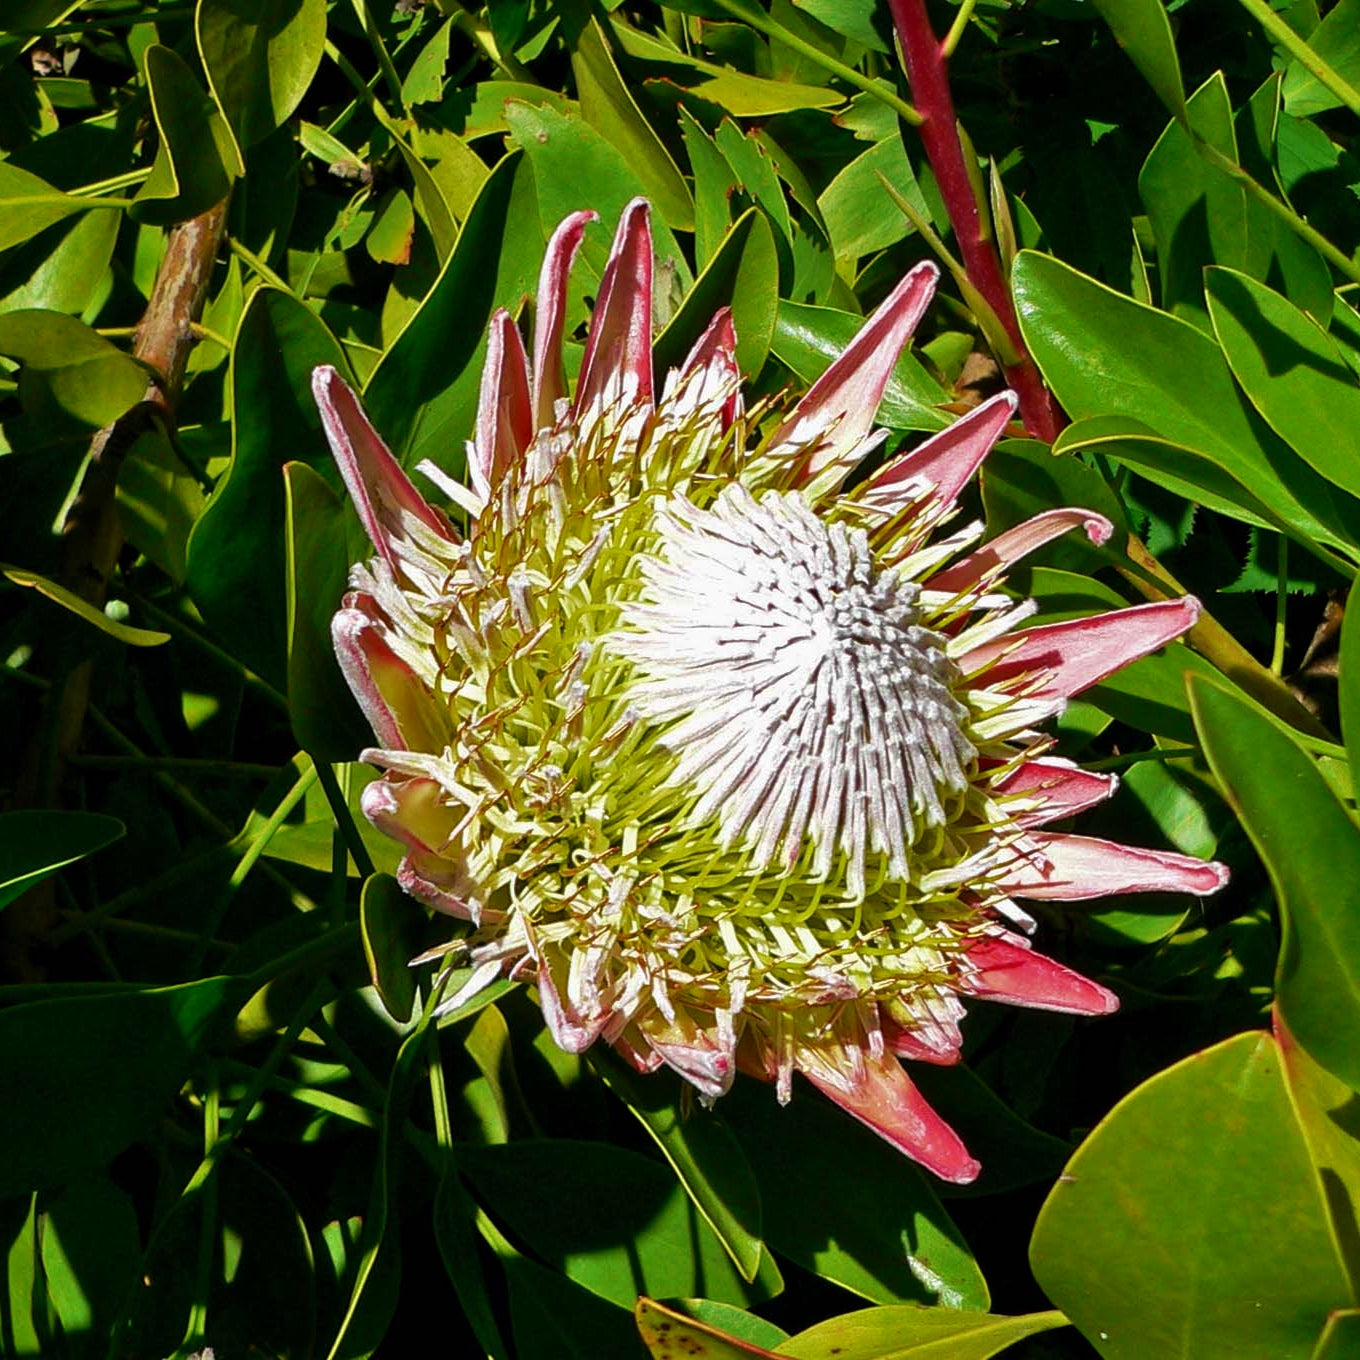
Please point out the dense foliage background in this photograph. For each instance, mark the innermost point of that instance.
(226, 1119)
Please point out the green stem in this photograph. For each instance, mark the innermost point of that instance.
(956, 29)
(175, 624)
(103, 186)
(260, 843)
(1281, 603)
(1305, 55)
(759, 20)
(389, 72)
(1341, 262)
(222, 769)
(259, 266)
(344, 818)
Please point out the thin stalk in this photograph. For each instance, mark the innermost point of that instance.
(389, 72)
(175, 624)
(1303, 53)
(1281, 605)
(956, 29)
(759, 20)
(222, 769)
(344, 818)
(103, 186)
(258, 265)
(926, 62)
(1339, 261)
(1215, 643)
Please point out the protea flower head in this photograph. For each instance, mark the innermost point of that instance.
(742, 768)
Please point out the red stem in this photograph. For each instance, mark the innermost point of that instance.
(927, 73)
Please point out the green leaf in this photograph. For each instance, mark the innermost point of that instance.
(326, 720)
(1200, 216)
(260, 57)
(28, 205)
(704, 1155)
(907, 1332)
(808, 339)
(1292, 372)
(608, 107)
(736, 92)
(34, 845)
(1142, 29)
(1324, 1107)
(159, 501)
(861, 217)
(744, 274)
(197, 158)
(1337, 41)
(58, 594)
(863, 1215)
(574, 167)
(80, 371)
(1349, 689)
(238, 562)
(1311, 848)
(1340, 1339)
(394, 227)
(1151, 1242)
(668, 1333)
(61, 268)
(392, 925)
(124, 1055)
(1107, 356)
(615, 1222)
(422, 397)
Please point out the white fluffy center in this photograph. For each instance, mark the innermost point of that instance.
(807, 699)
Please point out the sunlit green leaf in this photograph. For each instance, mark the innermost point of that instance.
(905, 1332)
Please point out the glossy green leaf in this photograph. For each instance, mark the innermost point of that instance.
(1337, 41)
(392, 924)
(1326, 1107)
(908, 1332)
(69, 600)
(668, 1334)
(159, 501)
(455, 1214)
(423, 395)
(861, 216)
(1108, 356)
(29, 205)
(260, 57)
(554, 1316)
(1200, 216)
(608, 107)
(61, 268)
(394, 225)
(735, 92)
(1348, 695)
(615, 1222)
(864, 1216)
(573, 168)
(34, 845)
(326, 720)
(123, 1054)
(197, 157)
(1142, 29)
(704, 1155)
(90, 1246)
(1293, 373)
(1340, 1339)
(238, 550)
(1171, 1199)
(1311, 848)
(743, 275)
(808, 339)
(82, 372)
(1193, 476)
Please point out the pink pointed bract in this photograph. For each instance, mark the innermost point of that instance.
(740, 767)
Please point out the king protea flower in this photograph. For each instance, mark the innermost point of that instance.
(741, 767)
